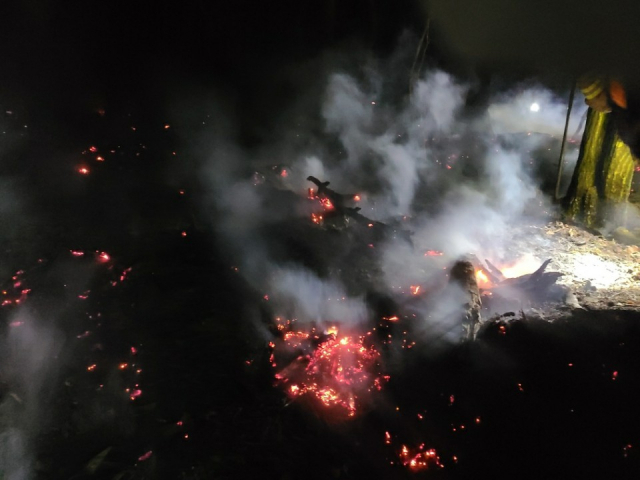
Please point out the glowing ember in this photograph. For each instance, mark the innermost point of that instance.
(284, 174)
(146, 456)
(415, 289)
(419, 458)
(332, 331)
(103, 257)
(326, 203)
(83, 170)
(135, 394)
(433, 253)
(356, 198)
(93, 149)
(336, 373)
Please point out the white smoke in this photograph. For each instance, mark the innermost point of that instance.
(29, 363)
(460, 183)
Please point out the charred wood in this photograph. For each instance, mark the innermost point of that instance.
(463, 276)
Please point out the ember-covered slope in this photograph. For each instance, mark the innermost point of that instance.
(529, 398)
(133, 347)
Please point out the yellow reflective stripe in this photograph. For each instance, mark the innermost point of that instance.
(593, 90)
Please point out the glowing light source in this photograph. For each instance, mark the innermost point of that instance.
(601, 273)
(482, 279)
(535, 107)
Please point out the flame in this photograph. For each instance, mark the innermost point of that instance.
(415, 289)
(522, 266)
(482, 279)
(433, 253)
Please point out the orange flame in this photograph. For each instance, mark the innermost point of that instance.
(482, 279)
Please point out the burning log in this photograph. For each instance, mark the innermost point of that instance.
(336, 204)
(463, 275)
(536, 287)
(534, 284)
(494, 272)
(337, 200)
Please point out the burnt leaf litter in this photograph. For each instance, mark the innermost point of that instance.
(127, 352)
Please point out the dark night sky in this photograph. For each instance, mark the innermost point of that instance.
(65, 57)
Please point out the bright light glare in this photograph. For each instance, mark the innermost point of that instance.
(599, 272)
(534, 107)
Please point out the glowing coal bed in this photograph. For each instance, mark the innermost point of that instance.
(337, 371)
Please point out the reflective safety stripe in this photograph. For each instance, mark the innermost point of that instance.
(592, 91)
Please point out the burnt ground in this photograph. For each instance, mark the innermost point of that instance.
(157, 373)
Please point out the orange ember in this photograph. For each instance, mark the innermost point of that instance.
(326, 203)
(336, 373)
(419, 458)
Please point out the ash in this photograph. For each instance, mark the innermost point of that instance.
(599, 271)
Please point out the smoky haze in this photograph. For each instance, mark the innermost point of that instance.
(418, 161)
